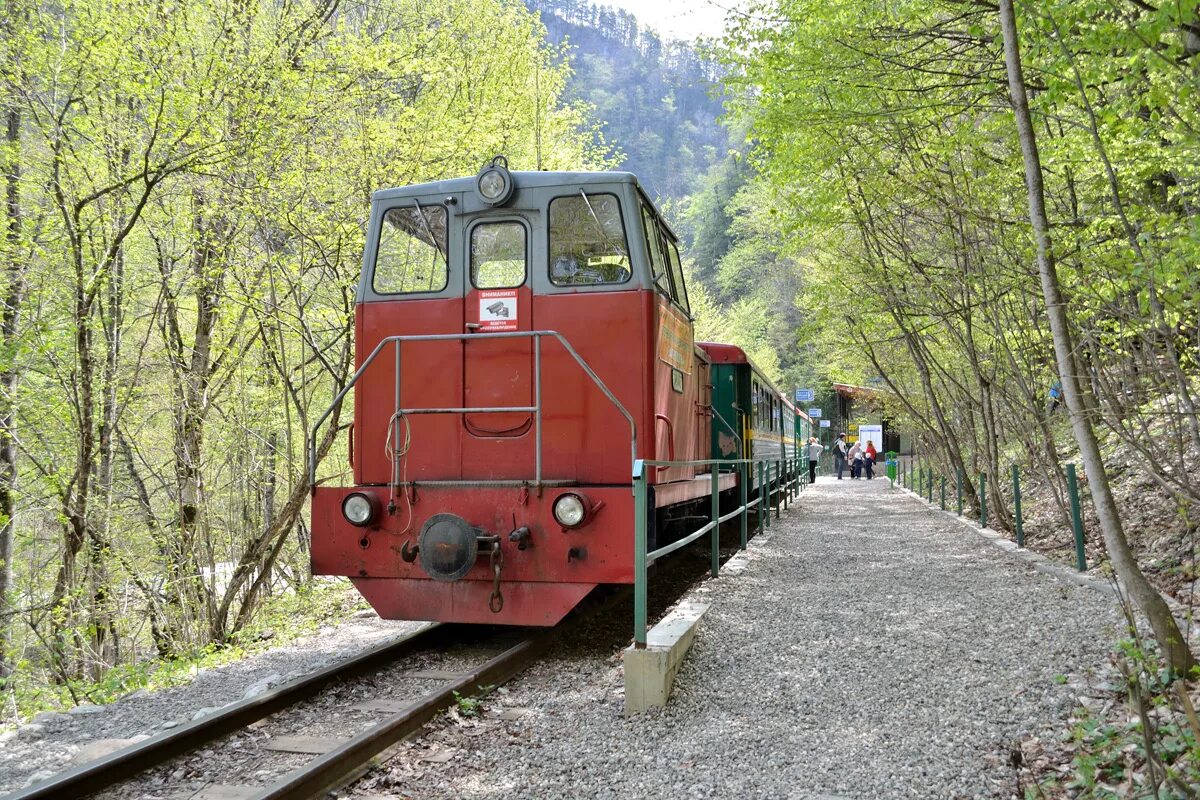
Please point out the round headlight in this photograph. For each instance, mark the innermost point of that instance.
(358, 509)
(495, 183)
(570, 510)
(491, 185)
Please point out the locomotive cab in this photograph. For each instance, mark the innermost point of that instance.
(520, 338)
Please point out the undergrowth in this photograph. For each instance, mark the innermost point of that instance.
(284, 618)
(1146, 746)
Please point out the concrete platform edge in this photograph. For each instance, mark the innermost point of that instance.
(650, 671)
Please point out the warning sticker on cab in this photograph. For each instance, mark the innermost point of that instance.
(498, 310)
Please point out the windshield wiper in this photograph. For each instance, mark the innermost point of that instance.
(432, 239)
(599, 227)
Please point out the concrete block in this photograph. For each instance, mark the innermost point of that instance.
(736, 564)
(650, 671)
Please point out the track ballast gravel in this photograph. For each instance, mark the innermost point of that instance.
(871, 649)
(55, 741)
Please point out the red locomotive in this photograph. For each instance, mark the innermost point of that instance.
(521, 337)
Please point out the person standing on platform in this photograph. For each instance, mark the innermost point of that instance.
(839, 454)
(855, 455)
(815, 449)
(869, 459)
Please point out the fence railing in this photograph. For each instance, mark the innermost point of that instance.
(918, 476)
(779, 476)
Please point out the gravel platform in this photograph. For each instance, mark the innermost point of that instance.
(871, 649)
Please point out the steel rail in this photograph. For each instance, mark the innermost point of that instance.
(343, 764)
(105, 772)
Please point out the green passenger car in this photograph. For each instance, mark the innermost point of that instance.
(751, 417)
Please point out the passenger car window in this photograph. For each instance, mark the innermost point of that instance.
(677, 274)
(498, 255)
(412, 251)
(587, 241)
(658, 263)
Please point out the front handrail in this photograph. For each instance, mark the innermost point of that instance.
(535, 409)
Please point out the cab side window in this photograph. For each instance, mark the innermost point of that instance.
(658, 262)
(677, 274)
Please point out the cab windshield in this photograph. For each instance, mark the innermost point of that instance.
(587, 241)
(412, 251)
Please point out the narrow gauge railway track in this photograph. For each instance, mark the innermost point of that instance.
(108, 776)
(131, 772)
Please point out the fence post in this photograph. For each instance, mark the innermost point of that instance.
(764, 516)
(1017, 505)
(958, 487)
(716, 519)
(929, 486)
(779, 483)
(943, 493)
(1076, 518)
(743, 479)
(983, 499)
(639, 553)
(785, 486)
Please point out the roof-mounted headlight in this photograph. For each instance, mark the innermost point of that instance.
(494, 185)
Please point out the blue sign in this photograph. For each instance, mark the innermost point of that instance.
(805, 395)
(814, 412)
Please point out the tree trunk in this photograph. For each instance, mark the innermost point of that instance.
(9, 378)
(1078, 397)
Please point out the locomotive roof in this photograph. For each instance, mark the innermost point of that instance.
(523, 180)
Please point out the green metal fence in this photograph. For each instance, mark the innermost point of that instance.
(913, 482)
(783, 478)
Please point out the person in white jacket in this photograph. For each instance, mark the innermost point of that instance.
(815, 449)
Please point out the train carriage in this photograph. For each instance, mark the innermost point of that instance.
(520, 338)
(751, 417)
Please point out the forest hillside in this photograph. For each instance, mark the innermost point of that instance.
(992, 213)
(186, 192)
(656, 102)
